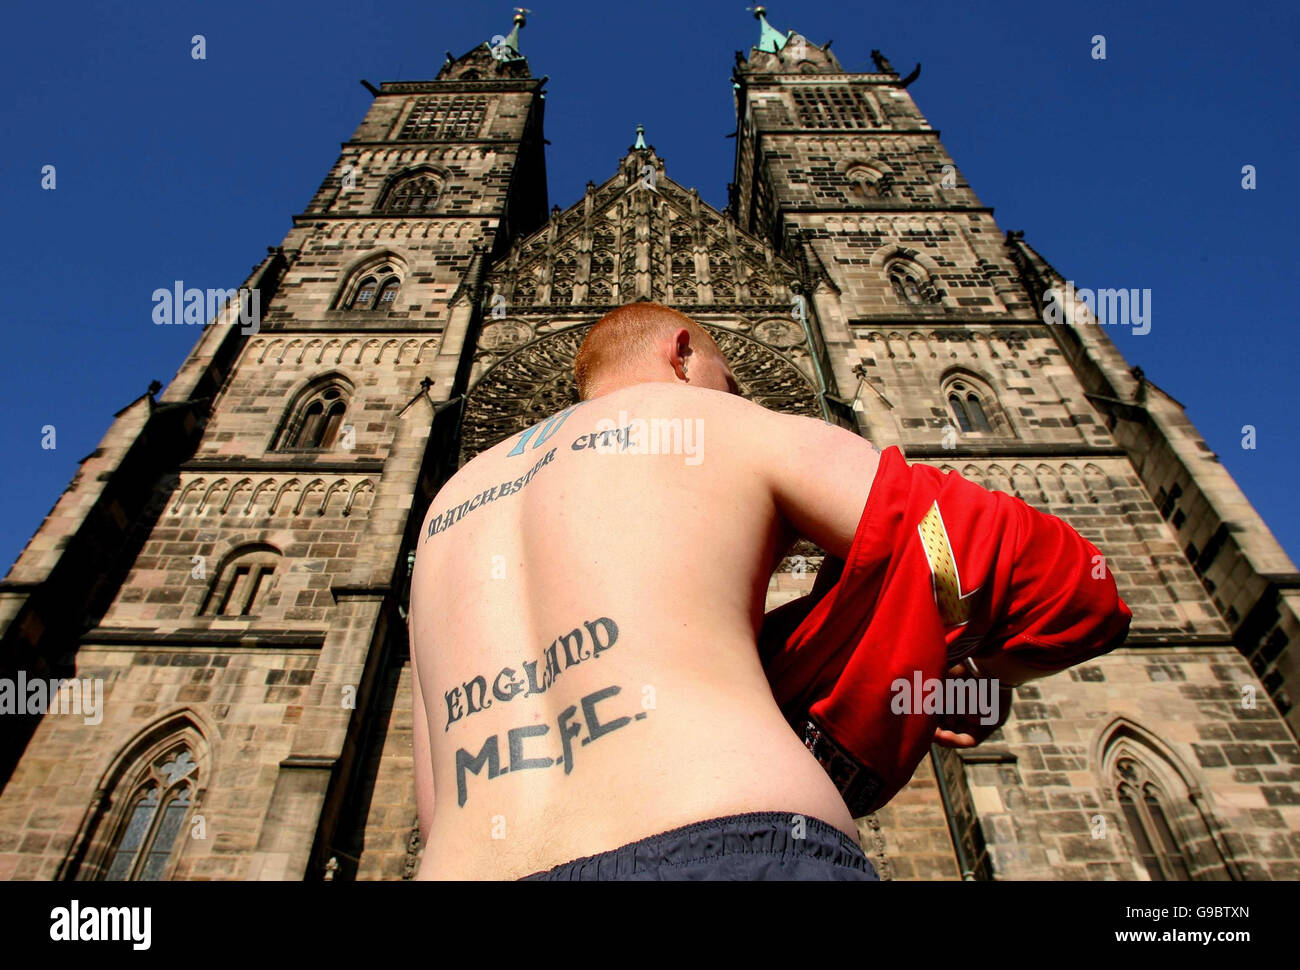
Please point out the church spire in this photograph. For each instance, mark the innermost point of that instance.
(770, 39)
(640, 137)
(508, 48)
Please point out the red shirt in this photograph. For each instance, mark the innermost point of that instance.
(939, 569)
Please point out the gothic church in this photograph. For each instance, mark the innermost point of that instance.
(232, 560)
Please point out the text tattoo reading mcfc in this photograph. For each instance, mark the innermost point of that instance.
(472, 697)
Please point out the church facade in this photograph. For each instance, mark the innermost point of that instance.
(230, 566)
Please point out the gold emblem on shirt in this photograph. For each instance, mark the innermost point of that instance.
(952, 602)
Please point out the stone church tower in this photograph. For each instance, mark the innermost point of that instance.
(231, 563)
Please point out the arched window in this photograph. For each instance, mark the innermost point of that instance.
(958, 409)
(316, 419)
(320, 421)
(387, 294)
(979, 420)
(866, 180)
(907, 281)
(972, 407)
(1169, 818)
(376, 291)
(242, 583)
(365, 296)
(1142, 802)
(146, 840)
(412, 193)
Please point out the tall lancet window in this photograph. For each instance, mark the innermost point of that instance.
(321, 421)
(1143, 803)
(365, 296)
(973, 407)
(159, 806)
(1167, 816)
(967, 409)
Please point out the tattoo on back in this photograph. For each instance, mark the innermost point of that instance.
(538, 435)
(489, 754)
(543, 430)
(445, 520)
(472, 697)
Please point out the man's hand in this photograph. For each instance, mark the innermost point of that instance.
(965, 730)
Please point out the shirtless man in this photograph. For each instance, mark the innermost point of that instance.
(585, 605)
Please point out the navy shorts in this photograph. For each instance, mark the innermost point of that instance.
(755, 845)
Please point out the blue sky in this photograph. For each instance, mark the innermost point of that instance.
(1123, 173)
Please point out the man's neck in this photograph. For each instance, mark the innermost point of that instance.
(618, 384)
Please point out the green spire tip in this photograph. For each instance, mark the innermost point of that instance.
(508, 48)
(770, 39)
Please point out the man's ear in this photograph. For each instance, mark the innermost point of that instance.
(681, 352)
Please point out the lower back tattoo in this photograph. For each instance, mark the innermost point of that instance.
(472, 697)
(568, 728)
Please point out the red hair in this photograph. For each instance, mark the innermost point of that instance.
(630, 335)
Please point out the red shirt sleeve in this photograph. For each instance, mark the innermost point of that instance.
(1057, 603)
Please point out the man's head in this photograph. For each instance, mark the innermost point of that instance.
(644, 342)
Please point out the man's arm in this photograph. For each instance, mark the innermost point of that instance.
(820, 475)
(1005, 669)
(1059, 606)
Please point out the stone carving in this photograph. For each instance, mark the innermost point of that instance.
(779, 333)
(502, 335)
(593, 260)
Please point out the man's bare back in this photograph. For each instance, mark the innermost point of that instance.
(584, 638)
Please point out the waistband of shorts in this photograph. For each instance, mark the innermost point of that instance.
(773, 833)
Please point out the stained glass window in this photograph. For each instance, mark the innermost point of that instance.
(160, 805)
(1142, 803)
